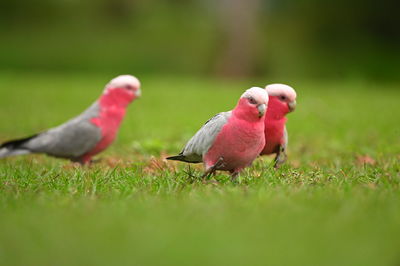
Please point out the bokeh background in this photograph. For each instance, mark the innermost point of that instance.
(335, 202)
(274, 39)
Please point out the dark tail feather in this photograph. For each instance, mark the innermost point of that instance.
(184, 158)
(13, 144)
(177, 158)
(13, 147)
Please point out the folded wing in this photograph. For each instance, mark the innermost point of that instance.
(70, 140)
(201, 142)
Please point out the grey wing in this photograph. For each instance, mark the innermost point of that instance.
(201, 142)
(69, 140)
(285, 138)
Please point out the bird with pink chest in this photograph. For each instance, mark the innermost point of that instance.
(282, 100)
(230, 141)
(86, 135)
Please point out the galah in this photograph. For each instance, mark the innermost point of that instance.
(230, 141)
(282, 100)
(84, 136)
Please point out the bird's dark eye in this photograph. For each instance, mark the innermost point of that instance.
(129, 87)
(252, 100)
(282, 97)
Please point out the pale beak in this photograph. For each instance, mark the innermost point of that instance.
(261, 109)
(292, 106)
(138, 92)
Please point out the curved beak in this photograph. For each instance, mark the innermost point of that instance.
(261, 109)
(138, 92)
(292, 106)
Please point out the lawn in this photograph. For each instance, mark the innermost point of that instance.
(336, 201)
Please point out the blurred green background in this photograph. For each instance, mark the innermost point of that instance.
(335, 202)
(274, 39)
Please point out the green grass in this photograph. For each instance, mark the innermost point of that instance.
(324, 207)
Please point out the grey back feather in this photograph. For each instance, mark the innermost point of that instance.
(69, 140)
(285, 138)
(201, 142)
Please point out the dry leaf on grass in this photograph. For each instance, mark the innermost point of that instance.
(365, 159)
(157, 164)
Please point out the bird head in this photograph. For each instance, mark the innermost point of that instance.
(252, 104)
(282, 98)
(122, 90)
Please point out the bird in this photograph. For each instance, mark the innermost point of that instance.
(230, 141)
(282, 100)
(86, 135)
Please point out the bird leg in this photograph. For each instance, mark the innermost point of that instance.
(280, 158)
(234, 176)
(211, 170)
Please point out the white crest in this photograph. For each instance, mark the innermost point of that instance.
(279, 89)
(122, 81)
(257, 93)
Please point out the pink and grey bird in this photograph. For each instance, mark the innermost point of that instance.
(282, 100)
(84, 136)
(230, 141)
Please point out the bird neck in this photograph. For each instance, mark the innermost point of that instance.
(247, 113)
(276, 110)
(116, 98)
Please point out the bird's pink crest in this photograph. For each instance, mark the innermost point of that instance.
(282, 99)
(121, 91)
(259, 94)
(252, 104)
(281, 90)
(124, 81)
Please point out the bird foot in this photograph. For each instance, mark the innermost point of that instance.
(234, 176)
(280, 158)
(213, 168)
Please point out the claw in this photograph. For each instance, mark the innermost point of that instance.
(213, 168)
(280, 157)
(234, 176)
